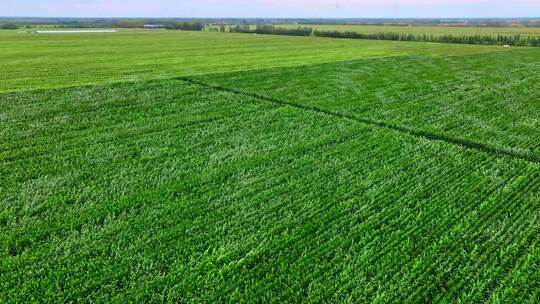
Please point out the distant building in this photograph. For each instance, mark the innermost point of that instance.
(154, 26)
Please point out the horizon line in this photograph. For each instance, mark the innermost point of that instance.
(298, 18)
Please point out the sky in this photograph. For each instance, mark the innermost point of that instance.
(272, 8)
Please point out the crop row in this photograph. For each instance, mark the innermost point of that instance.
(264, 202)
(490, 99)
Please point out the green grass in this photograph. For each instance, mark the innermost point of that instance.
(420, 30)
(30, 61)
(295, 178)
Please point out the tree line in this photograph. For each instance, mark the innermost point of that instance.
(186, 26)
(106, 23)
(514, 40)
(8, 26)
(270, 30)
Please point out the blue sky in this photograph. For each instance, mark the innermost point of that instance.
(271, 8)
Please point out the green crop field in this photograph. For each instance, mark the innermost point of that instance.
(183, 167)
(421, 30)
(53, 60)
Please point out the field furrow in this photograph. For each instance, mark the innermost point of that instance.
(148, 167)
(468, 99)
(301, 201)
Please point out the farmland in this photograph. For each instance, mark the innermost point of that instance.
(421, 30)
(43, 61)
(159, 166)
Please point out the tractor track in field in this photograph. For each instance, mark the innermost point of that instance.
(482, 147)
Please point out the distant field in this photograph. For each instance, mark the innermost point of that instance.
(75, 31)
(420, 30)
(179, 167)
(461, 96)
(47, 60)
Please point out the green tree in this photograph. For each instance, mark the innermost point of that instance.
(9, 26)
